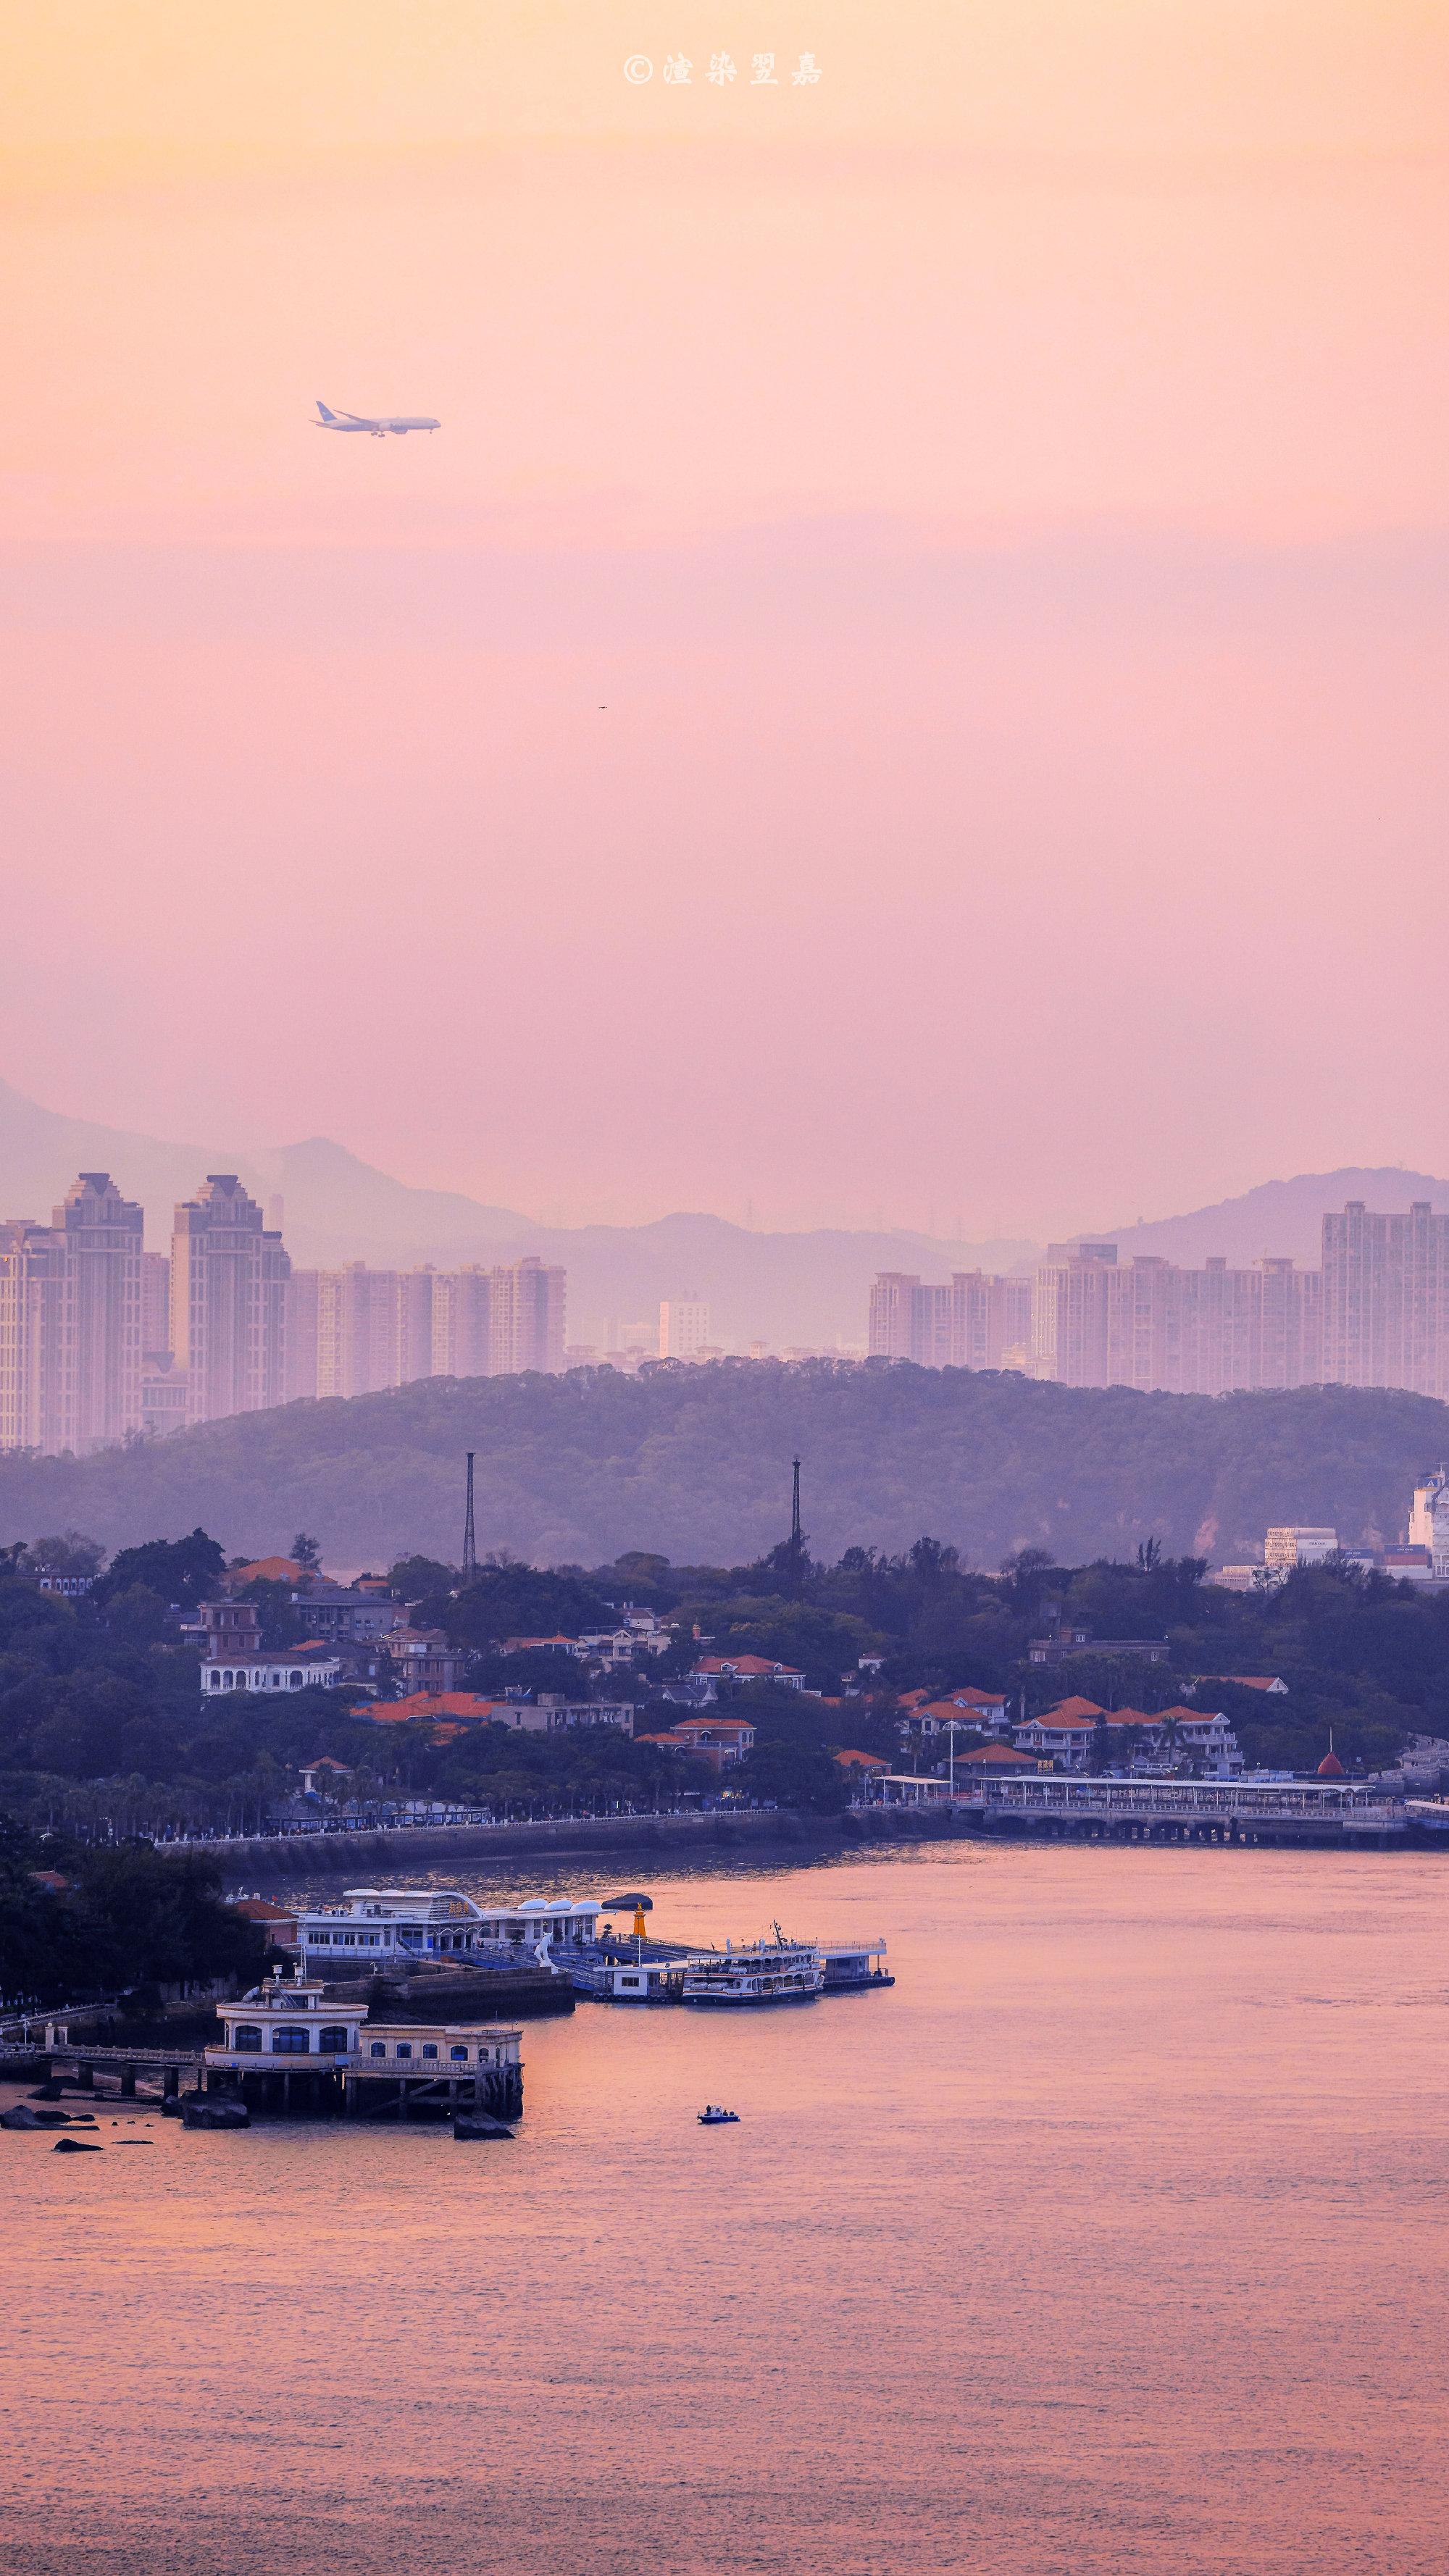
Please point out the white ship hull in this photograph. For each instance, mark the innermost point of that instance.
(782, 1972)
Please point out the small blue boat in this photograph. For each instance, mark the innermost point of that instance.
(712, 2117)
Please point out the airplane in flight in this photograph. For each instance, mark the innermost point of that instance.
(396, 427)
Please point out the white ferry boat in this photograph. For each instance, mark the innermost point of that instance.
(766, 1972)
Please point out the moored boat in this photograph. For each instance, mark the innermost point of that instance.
(764, 1972)
(850, 1968)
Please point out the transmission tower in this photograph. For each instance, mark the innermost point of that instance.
(470, 1544)
(795, 1538)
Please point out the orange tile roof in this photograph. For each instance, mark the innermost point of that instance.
(862, 1761)
(401, 1712)
(984, 1754)
(1070, 1712)
(267, 1569)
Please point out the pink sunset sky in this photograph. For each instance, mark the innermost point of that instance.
(909, 686)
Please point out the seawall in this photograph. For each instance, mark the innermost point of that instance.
(631, 1842)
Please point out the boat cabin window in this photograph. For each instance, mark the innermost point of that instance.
(457, 2052)
(334, 2037)
(246, 2036)
(428, 2049)
(378, 2049)
(291, 2043)
(404, 2048)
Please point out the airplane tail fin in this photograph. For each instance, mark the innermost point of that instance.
(325, 413)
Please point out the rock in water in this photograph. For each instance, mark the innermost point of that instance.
(198, 2112)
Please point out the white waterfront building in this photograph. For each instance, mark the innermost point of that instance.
(290, 2027)
(389, 1926)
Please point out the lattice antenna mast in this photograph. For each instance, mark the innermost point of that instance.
(795, 1538)
(470, 1543)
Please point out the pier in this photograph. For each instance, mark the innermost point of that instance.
(1238, 1811)
(287, 2046)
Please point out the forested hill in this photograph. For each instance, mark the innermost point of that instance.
(694, 1463)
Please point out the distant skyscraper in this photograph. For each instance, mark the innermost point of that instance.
(683, 1327)
(375, 1329)
(356, 1330)
(527, 1318)
(1152, 1325)
(990, 1321)
(155, 1303)
(1386, 1299)
(301, 1301)
(462, 1322)
(1071, 1314)
(415, 1291)
(34, 1342)
(228, 1302)
(977, 1322)
(102, 1237)
(1086, 1320)
(891, 1315)
(70, 1323)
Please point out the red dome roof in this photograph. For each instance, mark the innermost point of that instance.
(1330, 1768)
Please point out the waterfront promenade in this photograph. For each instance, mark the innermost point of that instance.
(1238, 1811)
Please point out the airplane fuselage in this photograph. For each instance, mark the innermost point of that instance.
(391, 425)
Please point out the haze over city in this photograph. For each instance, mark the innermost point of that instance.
(724, 1287)
(906, 689)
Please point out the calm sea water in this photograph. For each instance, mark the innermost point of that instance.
(1114, 2241)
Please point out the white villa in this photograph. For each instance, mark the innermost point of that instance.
(289, 2026)
(291, 1668)
(389, 1926)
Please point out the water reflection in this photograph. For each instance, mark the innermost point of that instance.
(1110, 2239)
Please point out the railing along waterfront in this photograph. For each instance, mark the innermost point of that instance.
(1233, 1802)
(290, 1831)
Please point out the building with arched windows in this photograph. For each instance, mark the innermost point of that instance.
(291, 2035)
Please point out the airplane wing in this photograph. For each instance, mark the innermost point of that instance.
(360, 417)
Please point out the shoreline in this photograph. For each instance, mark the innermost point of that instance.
(270, 1864)
(288, 1857)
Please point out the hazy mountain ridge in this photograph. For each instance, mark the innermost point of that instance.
(806, 1289)
(694, 1462)
(1280, 1218)
(338, 1208)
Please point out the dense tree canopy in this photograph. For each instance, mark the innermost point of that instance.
(125, 1916)
(103, 1722)
(695, 1463)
